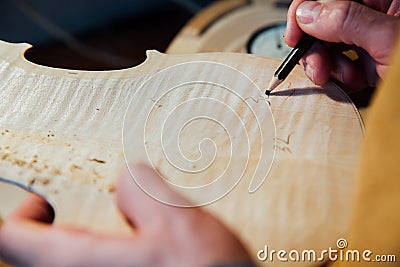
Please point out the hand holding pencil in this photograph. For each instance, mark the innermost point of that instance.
(370, 28)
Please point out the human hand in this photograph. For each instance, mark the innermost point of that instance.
(164, 235)
(370, 28)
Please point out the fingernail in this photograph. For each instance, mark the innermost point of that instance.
(304, 64)
(307, 12)
(307, 69)
(309, 72)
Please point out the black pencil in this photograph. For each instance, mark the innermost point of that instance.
(290, 61)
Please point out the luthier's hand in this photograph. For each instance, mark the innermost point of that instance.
(370, 28)
(165, 235)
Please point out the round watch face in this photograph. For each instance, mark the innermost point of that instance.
(269, 42)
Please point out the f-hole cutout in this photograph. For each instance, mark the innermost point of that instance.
(91, 59)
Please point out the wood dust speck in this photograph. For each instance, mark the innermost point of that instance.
(75, 167)
(97, 160)
(97, 175)
(45, 181)
(19, 162)
(111, 188)
(33, 164)
(31, 181)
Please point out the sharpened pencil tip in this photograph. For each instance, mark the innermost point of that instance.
(273, 84)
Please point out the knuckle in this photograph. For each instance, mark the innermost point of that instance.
(352, 14)
(342, 17)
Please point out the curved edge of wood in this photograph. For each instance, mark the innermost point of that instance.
(357, 112)
(15, 53)
(226, 31)
(209, 15)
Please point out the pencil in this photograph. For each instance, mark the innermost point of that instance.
(290, 61)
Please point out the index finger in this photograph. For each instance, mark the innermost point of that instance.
(293, 33)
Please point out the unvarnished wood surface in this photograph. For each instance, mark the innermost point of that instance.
(61, 136)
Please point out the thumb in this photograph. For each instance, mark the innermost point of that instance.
(351, 23)
(34, 208)
(142, 194)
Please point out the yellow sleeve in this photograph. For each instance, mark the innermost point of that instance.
(375, 224)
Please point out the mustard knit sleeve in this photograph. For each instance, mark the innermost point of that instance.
(375, 224)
